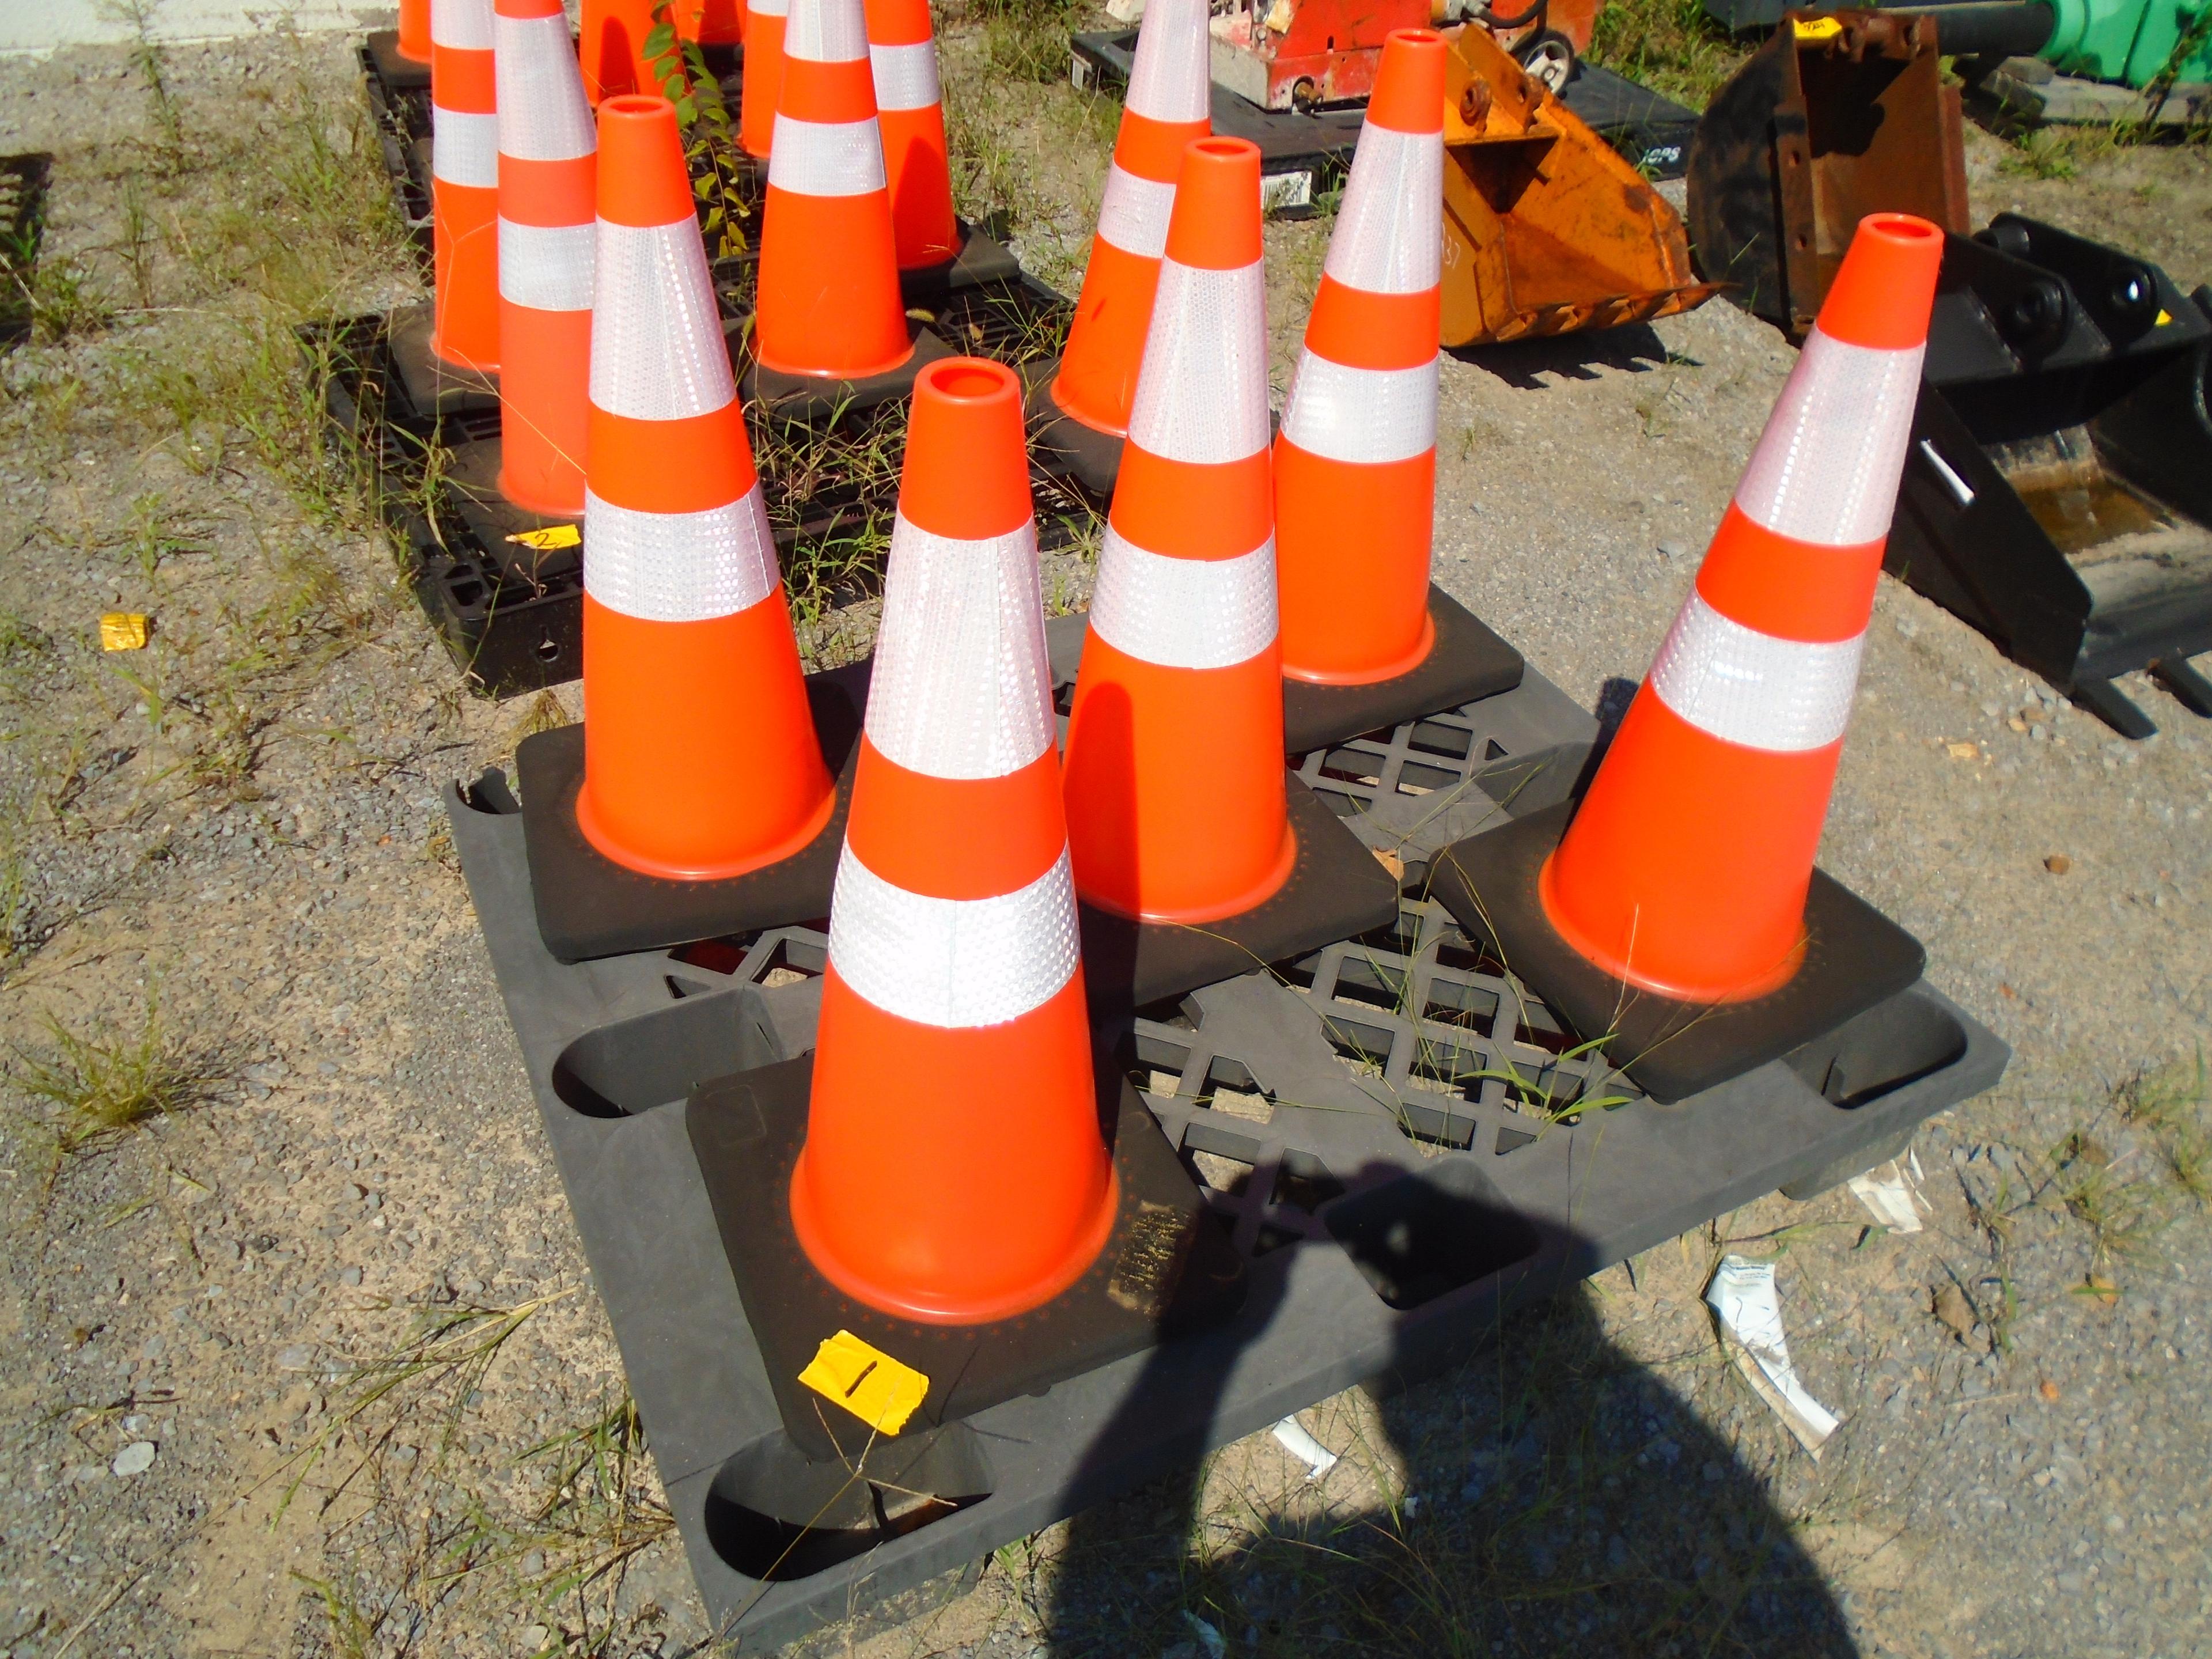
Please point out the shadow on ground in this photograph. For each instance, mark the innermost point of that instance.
(1558, 1501)
(1635, 348)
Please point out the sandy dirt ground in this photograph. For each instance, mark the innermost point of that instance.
(298, 1351)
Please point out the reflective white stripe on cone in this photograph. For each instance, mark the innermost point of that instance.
(1752, 688)
(1184, 613)
(1827, 465)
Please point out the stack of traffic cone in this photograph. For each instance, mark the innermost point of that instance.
(547, 226)
(690, 806)
(764, 30)
(1180, 674)
(950, 1174)
(1367, 642)
(910, 112)
(683, 605)
(828, 304)
(1681, 913)
(464, 185)
(1166, 106)
(952, 937)
(1182, 679)
(1355, 464)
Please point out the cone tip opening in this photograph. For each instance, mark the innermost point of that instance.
(1222, 147)
(967, 381)
(1903, 228)
(635, 105)
(1884, 289)
(1409, 83)
(1215, 223)
(642, 179)
(966, 472)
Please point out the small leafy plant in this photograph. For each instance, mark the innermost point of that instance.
(710, 137)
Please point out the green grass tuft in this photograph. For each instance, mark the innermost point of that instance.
(2174, 1103)
(88, 1091)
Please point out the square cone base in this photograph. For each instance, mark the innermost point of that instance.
(1854, 957)
(980, 262)
(1062, 445)
(815, 398)
(432, 386)
(1467, 664)
(1168, 1267)
(400, 74)
(1336, 890)
(588, 906)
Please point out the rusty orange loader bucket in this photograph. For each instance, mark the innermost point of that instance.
(1547, 228)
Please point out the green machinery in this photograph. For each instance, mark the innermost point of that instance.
(2127, 42)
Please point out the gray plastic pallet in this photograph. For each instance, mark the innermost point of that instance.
(1401, 1139)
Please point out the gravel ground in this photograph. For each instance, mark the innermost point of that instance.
(301, 1356)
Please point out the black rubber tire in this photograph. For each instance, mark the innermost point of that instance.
(1541, 57)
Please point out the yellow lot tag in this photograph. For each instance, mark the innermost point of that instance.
(867, 1382)
(2164, 318)
(1818, 29)
(546, 540)
(121, 630)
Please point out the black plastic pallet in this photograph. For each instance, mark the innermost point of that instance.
(394, 68)
(1401, 1139)
(512, 618)
(1302, 156)
(22, 225)
(401, 116)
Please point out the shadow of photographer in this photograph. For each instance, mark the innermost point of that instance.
(1547, 1495)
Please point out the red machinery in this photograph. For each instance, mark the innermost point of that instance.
(1298, 54)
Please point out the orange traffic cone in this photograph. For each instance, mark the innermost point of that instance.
(1673, 920)
(1166, 106)
(464, 185)
(910, 112)
(611, 39)
(414, 30)
(1181, 675)
(700, 755)
(952, 935)
(1686, 870)
(764, 29)
(828, 295)
(1356, 463)
(547, 218)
